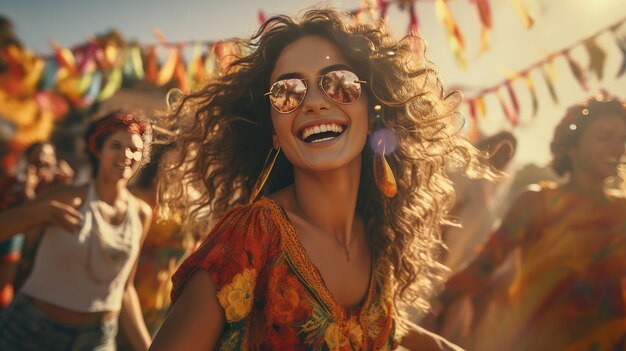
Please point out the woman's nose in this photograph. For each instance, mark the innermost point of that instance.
(315, 99)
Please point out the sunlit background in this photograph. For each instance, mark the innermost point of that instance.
(558, 24)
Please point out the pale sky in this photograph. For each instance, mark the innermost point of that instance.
(559, 24)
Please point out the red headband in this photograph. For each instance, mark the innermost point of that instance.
(126, 121)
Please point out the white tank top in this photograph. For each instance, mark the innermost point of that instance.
(87, 270)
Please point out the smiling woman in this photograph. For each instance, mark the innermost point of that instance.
(82, 278)
(568, 292)
(325, 258)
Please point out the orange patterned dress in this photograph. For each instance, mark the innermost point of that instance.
(569, 289)
(274, 298)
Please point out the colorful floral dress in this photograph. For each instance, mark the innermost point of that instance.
(274, 298)
(570, 280)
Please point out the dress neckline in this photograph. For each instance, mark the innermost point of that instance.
(309, 274)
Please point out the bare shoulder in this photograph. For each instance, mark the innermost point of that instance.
(145, 211)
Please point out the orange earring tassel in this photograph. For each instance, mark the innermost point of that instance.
(385, 180)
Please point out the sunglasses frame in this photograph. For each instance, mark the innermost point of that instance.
(319, 85)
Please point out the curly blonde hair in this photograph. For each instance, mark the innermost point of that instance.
(227, 131)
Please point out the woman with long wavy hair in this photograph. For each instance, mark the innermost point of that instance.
(569, 242)
(322, 152)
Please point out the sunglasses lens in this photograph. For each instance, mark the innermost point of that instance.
(341, 86)
(287, 94)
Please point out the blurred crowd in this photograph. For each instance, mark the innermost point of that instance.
(526, 255)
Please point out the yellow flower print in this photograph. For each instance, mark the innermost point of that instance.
(237, 297)
(355, 333)
(334, 337)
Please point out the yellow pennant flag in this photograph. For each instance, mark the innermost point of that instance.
(533, 93)
(526, 9)
(455, 38)
(167, 70)
(113, 84)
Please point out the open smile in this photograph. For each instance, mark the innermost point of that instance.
(321, 132)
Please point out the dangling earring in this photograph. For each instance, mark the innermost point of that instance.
(265, 173)
(385, 180)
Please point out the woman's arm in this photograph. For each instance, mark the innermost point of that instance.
(514, 230)
(420, 339)
(131, 317)
(195, 321)
(58, 208)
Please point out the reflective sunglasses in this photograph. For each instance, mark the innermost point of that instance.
(286, 95)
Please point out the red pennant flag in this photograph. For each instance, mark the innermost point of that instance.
(513, 97)
(413, 24)
(382, 6)
(511, 116)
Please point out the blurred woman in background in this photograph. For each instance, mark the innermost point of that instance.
(82, 278)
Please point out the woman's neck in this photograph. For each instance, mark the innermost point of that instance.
(328, 200)
(586, 185)
(110, 191)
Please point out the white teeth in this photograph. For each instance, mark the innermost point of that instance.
(320, 140)
(334, 127)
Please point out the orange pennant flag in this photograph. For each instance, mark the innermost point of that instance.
(180, 73)
(152, 66)
(481, 107)
(65, 58)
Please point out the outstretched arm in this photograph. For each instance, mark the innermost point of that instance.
(56, 208)
(196, 320)
(512, 232)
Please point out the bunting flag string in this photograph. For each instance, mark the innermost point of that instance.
(509, 104)
(93, 71)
